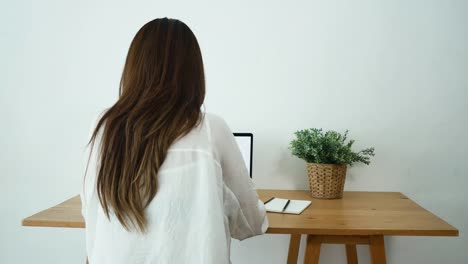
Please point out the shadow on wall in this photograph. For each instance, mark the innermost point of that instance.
(289, 169)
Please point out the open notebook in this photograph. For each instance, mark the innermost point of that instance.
(278, 205)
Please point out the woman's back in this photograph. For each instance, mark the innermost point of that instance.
(204, 197)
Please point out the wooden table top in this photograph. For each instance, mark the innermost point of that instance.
(358, 213)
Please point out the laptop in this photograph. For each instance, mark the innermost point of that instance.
(245, 142)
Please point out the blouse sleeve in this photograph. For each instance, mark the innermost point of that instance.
(89, 167)
(246, 213)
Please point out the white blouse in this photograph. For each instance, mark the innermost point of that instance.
(205, 197)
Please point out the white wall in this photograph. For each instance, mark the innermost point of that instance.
(393, 72)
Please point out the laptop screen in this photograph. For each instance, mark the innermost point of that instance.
(245, 142)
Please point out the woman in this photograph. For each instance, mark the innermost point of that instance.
(165, 183)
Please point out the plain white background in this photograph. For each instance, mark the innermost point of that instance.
(393, 72)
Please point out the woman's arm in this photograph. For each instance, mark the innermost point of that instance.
(246, 213)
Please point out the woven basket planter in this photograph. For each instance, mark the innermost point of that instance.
(326, 181)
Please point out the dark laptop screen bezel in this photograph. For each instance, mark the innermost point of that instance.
(251, 148)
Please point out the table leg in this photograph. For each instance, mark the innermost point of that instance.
(293, 252)
(377, 249)
(312, 253)
(351, 254)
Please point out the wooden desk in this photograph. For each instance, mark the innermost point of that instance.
(358, 218)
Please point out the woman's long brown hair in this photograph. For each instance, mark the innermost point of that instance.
(161, 93)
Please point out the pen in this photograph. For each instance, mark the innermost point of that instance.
(269, 200)
(286, 205)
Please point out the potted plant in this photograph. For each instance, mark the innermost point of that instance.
(327, 155)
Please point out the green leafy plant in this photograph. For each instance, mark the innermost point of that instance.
(330, 147)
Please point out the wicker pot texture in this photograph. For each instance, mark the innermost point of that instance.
(326, 181)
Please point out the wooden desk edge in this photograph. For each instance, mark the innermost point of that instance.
(357, 232)
(441, 233)
(48, 223)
